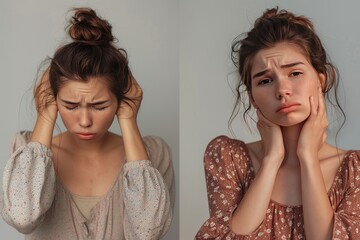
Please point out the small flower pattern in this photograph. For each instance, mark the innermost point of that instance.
(229, 173)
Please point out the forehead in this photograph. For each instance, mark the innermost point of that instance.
(94, 88)
(280, 54)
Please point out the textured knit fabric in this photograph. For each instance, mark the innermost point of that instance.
(137, 206)
(229, 173)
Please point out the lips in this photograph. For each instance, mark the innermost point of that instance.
(287, 107)
(85, 136)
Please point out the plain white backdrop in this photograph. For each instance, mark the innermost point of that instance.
(207, 29)
(147, 30)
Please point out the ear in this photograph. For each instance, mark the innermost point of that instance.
(322, 80)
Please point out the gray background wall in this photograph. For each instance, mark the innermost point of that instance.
(170, 42)
(207, 29)
(148, 30)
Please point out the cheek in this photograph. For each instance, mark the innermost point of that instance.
(259, 101)
(104, 122)
(67, 118)
(105, 117)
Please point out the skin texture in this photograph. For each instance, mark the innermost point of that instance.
(79, 111)
(88, 164)
(288, 78)
(293, 164)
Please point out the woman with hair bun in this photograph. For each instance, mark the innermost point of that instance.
(290, 184)
(86, 182)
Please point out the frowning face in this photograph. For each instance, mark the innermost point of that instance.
(87, 109)
(282, 81)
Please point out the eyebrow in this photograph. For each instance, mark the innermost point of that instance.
(93, 103)
(289, 65)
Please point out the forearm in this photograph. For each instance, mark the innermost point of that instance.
(133, 142)
(318, 213)
(43, 131)
(252, 209)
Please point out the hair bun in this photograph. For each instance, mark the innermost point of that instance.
(87, 27)
(275, 13)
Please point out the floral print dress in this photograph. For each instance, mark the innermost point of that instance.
(229, 173)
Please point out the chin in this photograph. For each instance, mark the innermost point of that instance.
(291, 121)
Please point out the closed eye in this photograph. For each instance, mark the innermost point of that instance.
(70, 107)
(99, 108)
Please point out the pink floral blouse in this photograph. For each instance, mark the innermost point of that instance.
(229, 173)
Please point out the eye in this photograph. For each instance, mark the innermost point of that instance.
(265, 81)
(296, 74)
(99, 108)
(70, 107)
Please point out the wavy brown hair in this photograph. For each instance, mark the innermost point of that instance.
(273, 27)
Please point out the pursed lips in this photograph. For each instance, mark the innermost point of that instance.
(285, 106)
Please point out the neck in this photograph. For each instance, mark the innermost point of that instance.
(290, 138)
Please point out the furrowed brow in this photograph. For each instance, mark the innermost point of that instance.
(69, 102)
(289, 65)
(259, 74)
(99, 103)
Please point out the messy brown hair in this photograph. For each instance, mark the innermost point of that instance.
(91, 54)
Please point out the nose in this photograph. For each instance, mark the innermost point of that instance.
(85, 118)
(283, 89)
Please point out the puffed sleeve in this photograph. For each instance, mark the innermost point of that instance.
(147, 188)
(346, 199)
(225, 167)
(28, 184)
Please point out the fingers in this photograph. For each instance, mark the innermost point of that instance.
(129, 107)
(318, 113)
(135, 92)
(320, 109)
(321, 104)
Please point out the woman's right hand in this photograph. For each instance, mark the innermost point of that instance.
(272, 140)
(44, 99)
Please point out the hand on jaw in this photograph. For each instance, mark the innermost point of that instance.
(313, 133)
(272, 140)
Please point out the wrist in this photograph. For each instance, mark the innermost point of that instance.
(133, 142)
(43, 131)
(46, 120)
(48, 116)
(306, 157)
(127, 123)
(270, 163)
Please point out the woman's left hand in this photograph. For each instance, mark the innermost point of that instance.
(128, 109)
(313, 133)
